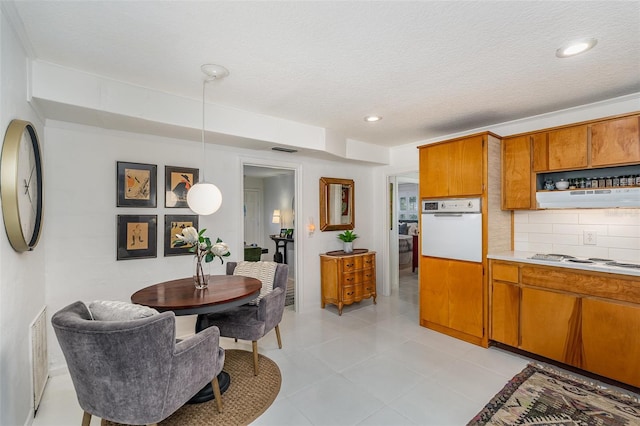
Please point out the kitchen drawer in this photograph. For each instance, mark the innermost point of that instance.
(504, 272)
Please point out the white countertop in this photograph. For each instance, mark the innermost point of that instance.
(525, 257)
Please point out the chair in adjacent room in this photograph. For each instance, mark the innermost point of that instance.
(132, 371)
(253, 321)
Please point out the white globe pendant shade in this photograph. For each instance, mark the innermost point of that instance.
(204, 198)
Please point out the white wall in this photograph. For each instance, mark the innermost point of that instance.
(22, 276)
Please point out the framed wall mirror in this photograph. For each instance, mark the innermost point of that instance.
(337, 204)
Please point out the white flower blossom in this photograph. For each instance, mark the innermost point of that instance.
(189, 235)
(220, 249)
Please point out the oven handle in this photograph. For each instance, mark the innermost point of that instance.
(447, 214)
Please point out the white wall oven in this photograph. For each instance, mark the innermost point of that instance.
(452, 228)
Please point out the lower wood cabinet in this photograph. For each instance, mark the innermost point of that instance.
(549, 324)
(452, 298)
(588, 320)
(610, 339)
(348, 278)
(505, 313)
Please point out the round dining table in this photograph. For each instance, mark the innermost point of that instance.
(182, 298)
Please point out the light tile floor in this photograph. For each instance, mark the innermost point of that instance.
(374, 365)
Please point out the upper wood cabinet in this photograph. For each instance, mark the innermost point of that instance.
(516, 173)
(563, 149)
(615, 142)
(590, 145)
(434, 171)
(452, 168)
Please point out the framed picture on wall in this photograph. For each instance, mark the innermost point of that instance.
(403, 203)
(136, 184)
(137, 236)
(177, 181)
(412, 203)
(174, 224)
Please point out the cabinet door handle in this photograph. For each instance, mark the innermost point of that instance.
(368, 275)
(349, 265)
(350, 294)
(349, 279)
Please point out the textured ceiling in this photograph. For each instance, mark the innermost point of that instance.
(430, 68)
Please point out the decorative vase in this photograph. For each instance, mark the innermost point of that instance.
(201, 273)
(348, 247)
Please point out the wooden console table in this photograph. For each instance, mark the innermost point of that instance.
(348, 277)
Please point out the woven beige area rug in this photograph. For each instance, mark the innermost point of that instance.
(246, 399)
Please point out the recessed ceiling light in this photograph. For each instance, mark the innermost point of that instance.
(372, 118)
(576, 47)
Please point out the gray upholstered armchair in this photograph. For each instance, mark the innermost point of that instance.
(250, 322)
(133, 371)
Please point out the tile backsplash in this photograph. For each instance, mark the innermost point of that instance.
(617, 232)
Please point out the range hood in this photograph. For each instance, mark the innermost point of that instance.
(589, 198)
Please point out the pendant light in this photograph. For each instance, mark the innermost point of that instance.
(205, 198)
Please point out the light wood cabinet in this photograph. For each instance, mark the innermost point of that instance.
(589, 145)
(610, 340)
(347, 278)
(453, 168)
(434, 168)
(568, 148)
(615, 142)
(516, 173)
(505, 306)
(588, 320)
(548, 322)
(452, 297)
(561, 149)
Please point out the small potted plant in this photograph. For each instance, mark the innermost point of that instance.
(347, 237)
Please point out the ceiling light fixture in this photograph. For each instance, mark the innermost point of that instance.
(372, 118)
(205, 198)
(576, 47)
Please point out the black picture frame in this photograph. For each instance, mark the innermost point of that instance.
(136, 184)
(137, 236)
(177, 181)
(173, 224)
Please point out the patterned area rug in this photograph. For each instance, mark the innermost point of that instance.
(541, 395)
(247, 398)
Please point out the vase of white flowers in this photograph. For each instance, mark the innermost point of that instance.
(204, 251)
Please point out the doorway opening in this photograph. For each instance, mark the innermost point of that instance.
(404, 234)
(269, 218)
